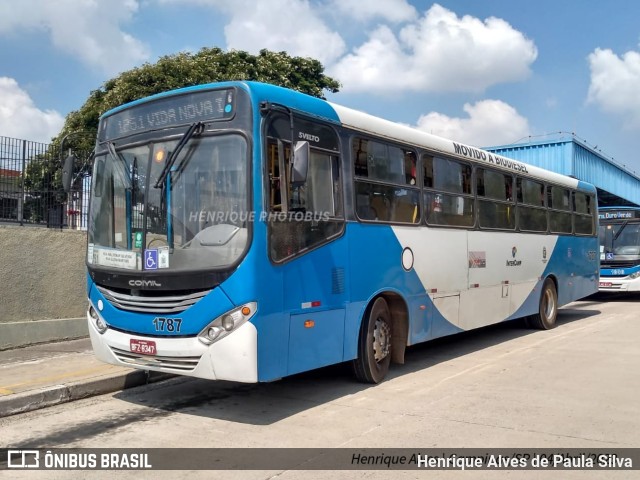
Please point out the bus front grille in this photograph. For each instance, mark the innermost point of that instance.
(619, 264)
(154, 304)
(183, 364)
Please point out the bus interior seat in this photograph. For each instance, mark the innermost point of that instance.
(381, 206)
(404, 212)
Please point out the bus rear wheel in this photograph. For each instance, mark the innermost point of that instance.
(374, 344)
(545, 319)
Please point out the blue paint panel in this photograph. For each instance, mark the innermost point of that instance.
(319, 346)
(619, 272)
(273, 340)
(256, 279)
(373, 272)
(440, 326)
(570, 255)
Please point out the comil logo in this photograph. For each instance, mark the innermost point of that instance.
(144, 283)
(23, 459)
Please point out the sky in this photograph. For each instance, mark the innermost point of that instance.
(482, 72)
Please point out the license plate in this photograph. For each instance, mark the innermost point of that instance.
(144, 347)
(605, 284)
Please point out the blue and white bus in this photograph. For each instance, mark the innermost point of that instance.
(247, 232)
(619, 234)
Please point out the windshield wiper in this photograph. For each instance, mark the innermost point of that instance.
(615, 237)
(120, 165)
(195, 129)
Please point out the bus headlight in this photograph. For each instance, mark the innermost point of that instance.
(100, 324)
(634, 275)
(227, 323)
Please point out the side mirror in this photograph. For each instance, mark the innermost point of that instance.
(300, 162)
(67, 172)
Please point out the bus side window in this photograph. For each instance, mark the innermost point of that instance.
(305, 214)
(495, 197)
(448, 195)
(428, 170)
(583, 216)
(364, 209)
(560, 210)
(385, 182)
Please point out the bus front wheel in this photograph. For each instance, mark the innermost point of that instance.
(374, 344)
(545, 319)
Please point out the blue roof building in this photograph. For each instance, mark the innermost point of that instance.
(569, 155)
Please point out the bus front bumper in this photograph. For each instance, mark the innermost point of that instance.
(234, 357)
(610, 284)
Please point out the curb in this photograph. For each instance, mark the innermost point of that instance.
(57, 394)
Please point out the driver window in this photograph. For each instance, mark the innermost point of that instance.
(301, 215)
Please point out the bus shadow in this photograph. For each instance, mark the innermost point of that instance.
(269, 403)
(428, 354)
(633, 297)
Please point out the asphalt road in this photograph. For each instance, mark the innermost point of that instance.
(505, 386)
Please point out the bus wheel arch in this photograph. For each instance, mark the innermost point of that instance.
(382, 337)
(547, 314)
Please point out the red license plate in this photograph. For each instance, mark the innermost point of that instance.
(605, 284)
(144, 347)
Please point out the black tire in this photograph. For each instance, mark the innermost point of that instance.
(547, 314)
(374, 344)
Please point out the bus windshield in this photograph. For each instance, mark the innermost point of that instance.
(193, 216)
(620, 239)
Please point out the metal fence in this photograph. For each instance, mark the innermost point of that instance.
(31, 189)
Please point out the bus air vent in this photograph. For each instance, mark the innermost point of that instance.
(156, 304)
(184, 364)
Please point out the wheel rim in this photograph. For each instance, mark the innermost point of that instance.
(549, 307)
(381, 340)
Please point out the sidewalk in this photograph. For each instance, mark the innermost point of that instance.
(48, 374)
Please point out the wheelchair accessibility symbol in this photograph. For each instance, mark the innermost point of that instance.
(151, 259)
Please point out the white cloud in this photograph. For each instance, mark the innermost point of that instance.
(294, 26)
(615, 84)
(439, 52)
(19, 117)
(489, 122)
(390, 10)
(87, 29)
(289, 25)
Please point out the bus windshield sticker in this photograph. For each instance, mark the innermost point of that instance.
(151, 259)
(108, 257)
(163, 257)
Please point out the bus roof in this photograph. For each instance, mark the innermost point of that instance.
(372, 125)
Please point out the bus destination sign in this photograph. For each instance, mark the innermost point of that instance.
(618, 214)
(170, 111)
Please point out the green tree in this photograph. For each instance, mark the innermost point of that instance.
(170, 72)
(187, 69)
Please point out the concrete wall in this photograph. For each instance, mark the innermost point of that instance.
(42, 277)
